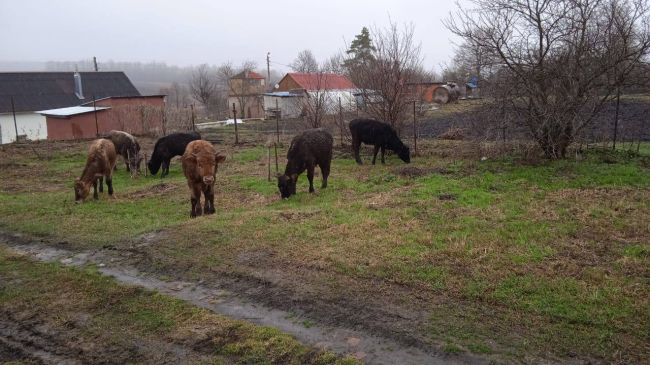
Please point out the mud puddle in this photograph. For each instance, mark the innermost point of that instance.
(368, 348)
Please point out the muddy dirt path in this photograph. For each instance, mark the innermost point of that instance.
(369, 348)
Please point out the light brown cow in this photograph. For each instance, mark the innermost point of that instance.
(99, 164)
(200, 164)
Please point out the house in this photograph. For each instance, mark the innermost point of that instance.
(132, 114)
(301, 88)
(24, 94)
(245, 91)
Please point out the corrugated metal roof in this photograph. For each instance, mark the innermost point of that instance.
(48, 90)
(73, 110)
(282, 94)
(321, 81)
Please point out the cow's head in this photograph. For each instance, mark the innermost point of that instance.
(134, 160)
(81, 190)
(153, 167)
(207, 164)
(404, 154)
(287, 185)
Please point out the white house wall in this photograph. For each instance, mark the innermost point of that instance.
(31, 124)
(348, 101)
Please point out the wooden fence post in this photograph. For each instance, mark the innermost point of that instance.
(234, 113)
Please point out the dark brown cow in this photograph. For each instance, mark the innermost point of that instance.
(99, 164)
(200, 164)
(128, 147)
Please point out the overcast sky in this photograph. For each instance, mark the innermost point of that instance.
(190, 32)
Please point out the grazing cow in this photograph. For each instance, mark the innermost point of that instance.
(167, 148)
(200, 164)
(381, 135)
(128, 147)
(100, 163)
(308, 149)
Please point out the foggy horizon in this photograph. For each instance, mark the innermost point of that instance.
(199, 31)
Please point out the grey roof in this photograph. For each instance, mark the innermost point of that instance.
(72, 110)
(34, 91)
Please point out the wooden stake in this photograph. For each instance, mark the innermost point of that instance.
(268, 154)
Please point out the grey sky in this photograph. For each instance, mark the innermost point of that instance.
(200, 31)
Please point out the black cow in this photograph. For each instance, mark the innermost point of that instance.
(166, 148)
(308, 149)
(378, 134)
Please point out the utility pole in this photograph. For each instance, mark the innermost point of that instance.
(95, 63)
(268, 71)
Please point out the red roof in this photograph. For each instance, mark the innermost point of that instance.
(321, 81)
(248, 75)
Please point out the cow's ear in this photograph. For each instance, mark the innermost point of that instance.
(294, 177)
(219, 158)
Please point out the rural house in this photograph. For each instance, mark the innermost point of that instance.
(245, 91)
(295, 89)
(28, 94)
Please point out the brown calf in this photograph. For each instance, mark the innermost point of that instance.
(100, 163)
(200, 164)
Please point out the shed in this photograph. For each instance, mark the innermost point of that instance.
(132, 114)
(282, 104)
(36, 91)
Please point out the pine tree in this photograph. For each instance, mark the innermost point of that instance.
(361, 50)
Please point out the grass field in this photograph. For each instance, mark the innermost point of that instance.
(515, 259)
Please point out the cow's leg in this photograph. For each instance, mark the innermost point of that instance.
(356, 146)
(310, 176)
(109, 183)
(325, 171)
(101, 184)
(195, 199)
(126, 162)
(383, 150)
(95, 195)
(209, 200)
(165, 168)
(374, 155)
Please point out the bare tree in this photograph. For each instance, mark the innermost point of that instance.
(305, 62)
(203, 86)
(567, 58)
(384, 77)
(334, 64)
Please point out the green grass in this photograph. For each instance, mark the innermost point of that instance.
(118, 316)
(526, 259)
